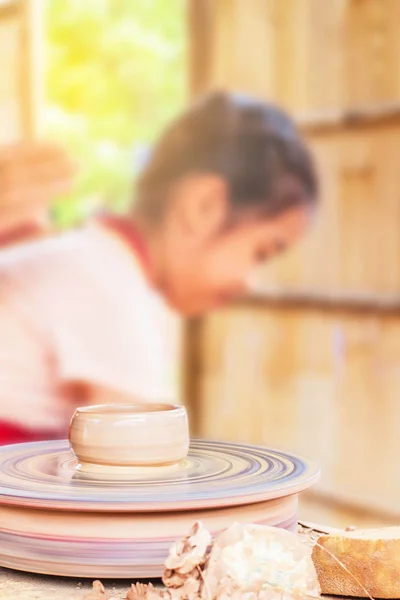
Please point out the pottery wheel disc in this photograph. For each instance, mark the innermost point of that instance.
(58, 521)
(214, 475)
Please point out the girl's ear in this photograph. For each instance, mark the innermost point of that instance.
(202, 205)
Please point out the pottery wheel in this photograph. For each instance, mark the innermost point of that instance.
(57, 521)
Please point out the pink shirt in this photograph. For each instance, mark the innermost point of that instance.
(76, 313)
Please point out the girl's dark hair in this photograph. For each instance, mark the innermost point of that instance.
(254, 146)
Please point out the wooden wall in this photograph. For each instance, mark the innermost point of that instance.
(325, 385)
(21, 74)
(312, 363)
(308, 55)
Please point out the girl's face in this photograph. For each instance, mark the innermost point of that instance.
(207, 263)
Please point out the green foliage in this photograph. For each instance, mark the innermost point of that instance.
(115, 76)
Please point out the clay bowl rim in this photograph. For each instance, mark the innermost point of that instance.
(129, 410)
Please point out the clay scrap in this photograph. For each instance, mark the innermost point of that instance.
(98, 592)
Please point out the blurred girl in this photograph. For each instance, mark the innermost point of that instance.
(230, 184)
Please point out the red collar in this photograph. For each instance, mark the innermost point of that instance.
(128, 232)
(19, 234)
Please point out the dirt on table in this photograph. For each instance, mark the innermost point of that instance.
(15, 585)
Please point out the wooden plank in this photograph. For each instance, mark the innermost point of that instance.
(356, 117)
(311, 301)
(371, 45)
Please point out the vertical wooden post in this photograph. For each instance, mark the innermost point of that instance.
(21, 79)
(191, 368)
(200, 55)
(32, 65)
(200, 44)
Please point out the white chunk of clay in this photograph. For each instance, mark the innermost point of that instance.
(260, 562)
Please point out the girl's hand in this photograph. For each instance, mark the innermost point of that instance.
(32, 175)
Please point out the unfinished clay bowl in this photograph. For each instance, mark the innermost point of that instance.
(118, 437)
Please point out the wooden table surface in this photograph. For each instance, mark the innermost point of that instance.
(15, 585)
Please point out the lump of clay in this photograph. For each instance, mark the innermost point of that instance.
(265, 563)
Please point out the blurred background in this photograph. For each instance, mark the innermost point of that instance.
(102, 77)
(310, 363)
